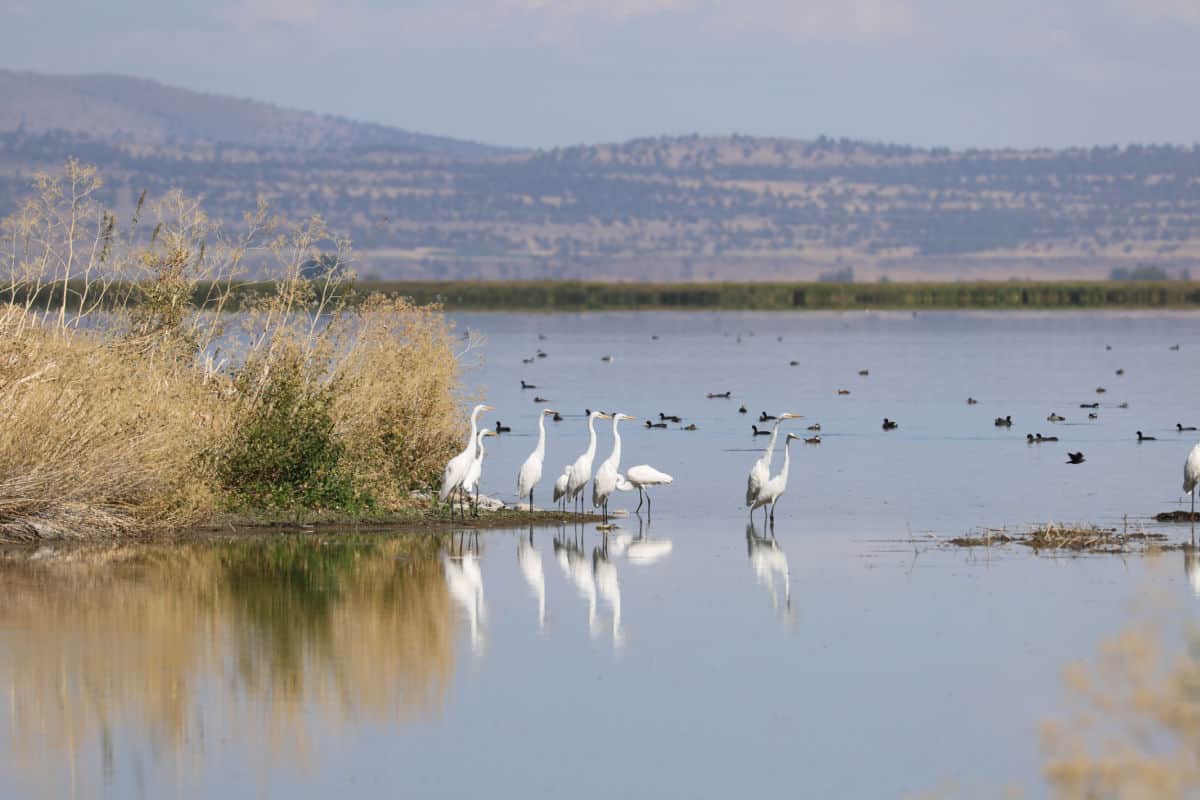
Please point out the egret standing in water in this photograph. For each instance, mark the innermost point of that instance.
(475, 470)
(531, 471)
(761, 471)
(456, 470)
(606, 477)
(581, 470)
(641, 478)
(773, 489)
(1191, 478)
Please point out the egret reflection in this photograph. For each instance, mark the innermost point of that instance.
(530, 561)
(1191, 567)
(464, 580)
(610, 588)
(645, 550)
(577, 568)
(770, 565)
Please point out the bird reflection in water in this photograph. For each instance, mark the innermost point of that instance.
(577, 568)
(770, 566)
(530, 561)
(610, 588)
(643, 550)
(464, 580)
(1191, 566)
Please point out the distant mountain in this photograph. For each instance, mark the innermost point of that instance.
(139, 111)
(662, 209)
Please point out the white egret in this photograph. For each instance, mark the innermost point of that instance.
(470, 483)
(773, 489)
(560, 487)
(530, 561)
(760, 473)
(581, 470)
(456, 469)
(605, 482)
(642, 477)
(1191, 479)
(531, 471)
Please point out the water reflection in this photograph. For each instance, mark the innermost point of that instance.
(645, 550)
(530, 561)
(577, 568)
(770, 566)
(464, 580)
(1191, 567)
(126, 656)
(610, 588)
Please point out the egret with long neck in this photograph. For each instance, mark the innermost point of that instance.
(456, 470)
(773, 489)
(606, 476)
(760, 473)
(581, 470)
(531, 471)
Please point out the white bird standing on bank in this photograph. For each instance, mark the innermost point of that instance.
(773, 489)
(608, 473)
(531, 471)
(470, 483)
(641, 478)
(1191, 479)
(760, 473)
(456, 469)
(581, 470)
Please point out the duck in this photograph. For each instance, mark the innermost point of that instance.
(864, 372)
(557, 417)
(1093, 415)
(1089, 405)
(816, 426)
(540, 399)
(1142, 438)
(1174, 347)
(813, 439)
(1179, 426)
(541, 353)
(843, 391)
(1121, 371)
(503, 428)
(650, 424)
(1041, 438)
(765, 417)
(669, 417)
(793, 363)
(1004, 422)
(691, 427)
(606, 359)
(1029, 438)
(1100, 390)
(1055, 417)
(741, 409)
(757, 432)
(1123, 405)
(527, 360)
(972, 401)
(525, 385)
(1075, 458)
(890, 425)
(719, 395)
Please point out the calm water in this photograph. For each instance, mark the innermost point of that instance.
(692, 656)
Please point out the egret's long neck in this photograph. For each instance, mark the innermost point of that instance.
(591, 451)
(475, 423)
(769, 453)
(787, 460)
(615, 458)
(479, 447)
(541, 445)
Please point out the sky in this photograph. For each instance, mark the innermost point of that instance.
(544, 73)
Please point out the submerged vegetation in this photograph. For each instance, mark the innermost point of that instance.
(130, 403)
(1067, 537)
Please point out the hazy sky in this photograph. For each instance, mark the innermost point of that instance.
(553, 72)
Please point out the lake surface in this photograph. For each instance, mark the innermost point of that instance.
(691, 655)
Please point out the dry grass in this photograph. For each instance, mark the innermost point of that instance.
(123, 408)
(1085, 538)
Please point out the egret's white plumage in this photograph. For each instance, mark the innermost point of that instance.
(760, 473)
(530, 561)
(456, 469)
(1191, 471)
(470, 482)
(605, 482)
(581, 470)
(643, 476)
(531, 471)
(773, 489)
(560, 485)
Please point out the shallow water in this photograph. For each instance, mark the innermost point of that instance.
(693, 655)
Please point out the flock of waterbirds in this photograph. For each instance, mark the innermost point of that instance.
(462, 473)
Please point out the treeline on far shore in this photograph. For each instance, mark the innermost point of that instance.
(587, 296)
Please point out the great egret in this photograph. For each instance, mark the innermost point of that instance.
(531, 470)
(581, 470)
(475, 470)
(761, 471)
(1191, 477)
(641, 478)
(530, 561)
(773, 489)
(456, 470)
(560, 488)
(605, 482)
